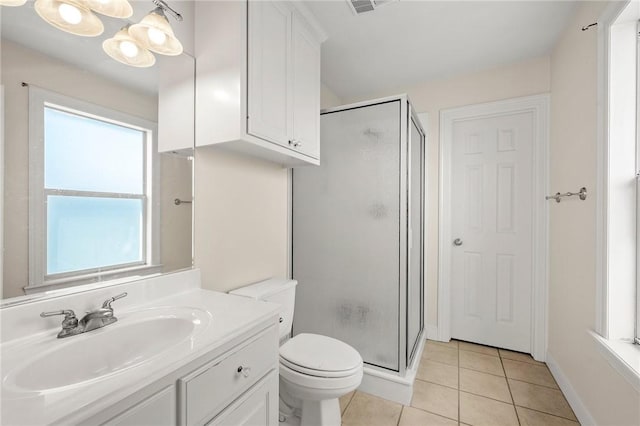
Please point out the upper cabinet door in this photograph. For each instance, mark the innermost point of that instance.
(306, 90)
(269, 90)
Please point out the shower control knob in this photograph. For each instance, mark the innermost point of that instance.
(457, 242)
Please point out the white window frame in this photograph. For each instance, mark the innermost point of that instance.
(616, 343)
(637, 325)
(39, 280)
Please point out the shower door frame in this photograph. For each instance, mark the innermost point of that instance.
(412, 116)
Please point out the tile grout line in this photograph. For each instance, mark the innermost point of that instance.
(353, 395)
(487, 397)
(459, 416)
(465, 391)
(509, 387)
(535, 384)
(437, 414)
(548, 414)
(505, 376)
(400, 416)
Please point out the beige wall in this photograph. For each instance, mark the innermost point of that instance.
(176, 181)
(328, 98)
(521, 79)
(607, 396)
(240, 219)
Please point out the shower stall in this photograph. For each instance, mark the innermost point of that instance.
(358, 239)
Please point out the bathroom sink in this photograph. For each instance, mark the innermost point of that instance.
(99, 354)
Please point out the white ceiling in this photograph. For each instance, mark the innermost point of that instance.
(408, 42)
(397, 45)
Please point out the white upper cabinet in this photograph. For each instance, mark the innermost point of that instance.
(269, 71)
(306, 90)
(176, 104)
(258, 79)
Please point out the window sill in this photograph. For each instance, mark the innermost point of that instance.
(623, 356)
(95, 278)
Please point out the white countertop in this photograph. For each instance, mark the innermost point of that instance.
(230, 317)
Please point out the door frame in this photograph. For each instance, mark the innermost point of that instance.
(539, 106)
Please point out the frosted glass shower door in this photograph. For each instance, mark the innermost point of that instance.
(346, 234)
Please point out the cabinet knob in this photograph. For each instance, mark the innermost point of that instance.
(297, 144)
(245, 371)
(292, 142)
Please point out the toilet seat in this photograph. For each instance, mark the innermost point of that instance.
(320, 356)
(317, 388)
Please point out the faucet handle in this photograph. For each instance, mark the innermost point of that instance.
(107, 303)
(70, 321)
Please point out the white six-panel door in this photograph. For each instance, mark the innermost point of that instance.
(491, 223)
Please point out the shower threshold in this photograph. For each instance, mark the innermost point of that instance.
(392, 386)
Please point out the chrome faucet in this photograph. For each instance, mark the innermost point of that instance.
(95, 319)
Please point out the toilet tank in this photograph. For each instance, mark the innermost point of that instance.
(275, 290)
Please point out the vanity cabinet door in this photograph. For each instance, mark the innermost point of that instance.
(257, 406)
(157, 410)
(269, 91)
(306, 90)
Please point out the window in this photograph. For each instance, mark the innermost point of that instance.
(618, 220)
(91, 190)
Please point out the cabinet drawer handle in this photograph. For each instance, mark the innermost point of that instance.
(245, 371)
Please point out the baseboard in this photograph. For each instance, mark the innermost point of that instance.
(432, 332)
(580, 410)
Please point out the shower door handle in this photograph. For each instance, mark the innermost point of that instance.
(457, 242)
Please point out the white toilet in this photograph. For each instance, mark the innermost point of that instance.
(315, 370)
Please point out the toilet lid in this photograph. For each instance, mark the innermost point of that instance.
(320, 356)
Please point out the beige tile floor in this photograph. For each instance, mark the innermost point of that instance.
(460, 383)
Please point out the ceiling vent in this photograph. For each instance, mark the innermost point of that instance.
(362, 6)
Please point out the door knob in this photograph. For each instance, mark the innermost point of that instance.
(457, 242)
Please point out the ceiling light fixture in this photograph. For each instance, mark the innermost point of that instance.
(125, 49)
(112, 8)
(132, 45)
(12, 3)
(72, 16)
(155, 33)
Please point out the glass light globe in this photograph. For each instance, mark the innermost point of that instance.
(70, 13)
(129, 49)
(156, 36)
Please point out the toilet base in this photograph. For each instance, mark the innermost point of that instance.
(323, 412)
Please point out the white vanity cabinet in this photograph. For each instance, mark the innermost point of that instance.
(258, 79)
(159, 409)
(234, 387)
